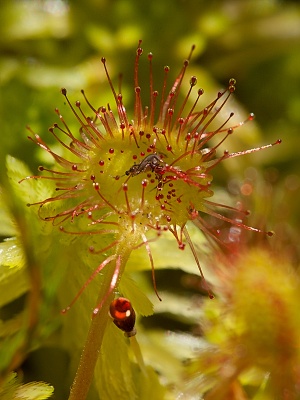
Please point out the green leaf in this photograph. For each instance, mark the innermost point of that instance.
(34, 391)
(7, 227)
(113, 373)
(29, 190)
(140, 302)
(11, 326)
(13, 277)
(11, 389)
(150, 387)
(118, 376)
(9, 386)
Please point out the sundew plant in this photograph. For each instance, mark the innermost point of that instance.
(127, 179)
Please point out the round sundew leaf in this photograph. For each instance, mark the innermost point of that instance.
(250, 133)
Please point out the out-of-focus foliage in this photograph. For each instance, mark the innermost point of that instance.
(12, 389)
(254, 345)
(49, 44)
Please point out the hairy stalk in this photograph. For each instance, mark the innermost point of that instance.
(89, 356)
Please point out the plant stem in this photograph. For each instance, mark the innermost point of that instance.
(89, 356)
(91, 350)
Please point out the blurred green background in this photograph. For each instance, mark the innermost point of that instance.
(49, 44)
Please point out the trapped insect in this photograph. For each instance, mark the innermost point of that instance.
(149, 163)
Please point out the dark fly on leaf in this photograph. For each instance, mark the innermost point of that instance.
(150, 163)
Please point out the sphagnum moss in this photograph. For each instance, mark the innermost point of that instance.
(134, 179)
